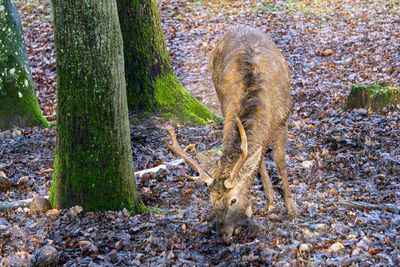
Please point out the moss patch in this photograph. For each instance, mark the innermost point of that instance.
(173, 99)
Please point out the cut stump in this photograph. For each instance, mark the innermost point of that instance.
(376, 97)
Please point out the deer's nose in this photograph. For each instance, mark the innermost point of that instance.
(224, 231)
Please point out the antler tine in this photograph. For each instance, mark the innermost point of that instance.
(176, 148)
(229, 182)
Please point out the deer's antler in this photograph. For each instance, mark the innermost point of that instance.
(176, 148)
(229, 182)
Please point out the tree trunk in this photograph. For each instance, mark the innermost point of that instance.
(18, 103)
(152, 85)
(93, 165)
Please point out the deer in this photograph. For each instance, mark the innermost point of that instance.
(252, 82)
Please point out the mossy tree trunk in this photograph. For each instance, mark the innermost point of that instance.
(152, 85)
(18, 103)
(93, 165)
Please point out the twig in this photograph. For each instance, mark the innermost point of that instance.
(255, 242)
(367, 206)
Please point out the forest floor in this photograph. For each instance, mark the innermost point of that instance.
(332, 155)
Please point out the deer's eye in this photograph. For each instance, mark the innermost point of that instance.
(233, 201)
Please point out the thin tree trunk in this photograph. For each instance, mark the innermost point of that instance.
(93, 164)
(152, 85)
(19, 106)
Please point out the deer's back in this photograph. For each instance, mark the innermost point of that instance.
(252, 81)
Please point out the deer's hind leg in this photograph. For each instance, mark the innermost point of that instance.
(267, 185)
(280, 161)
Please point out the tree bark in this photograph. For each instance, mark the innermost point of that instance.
(152, 85)
(19, 106)
(93, 165)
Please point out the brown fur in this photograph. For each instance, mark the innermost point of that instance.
(252, 81)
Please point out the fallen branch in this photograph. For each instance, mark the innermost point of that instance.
(159, 167)
(16, 204)
(367, 206)
(26, 202)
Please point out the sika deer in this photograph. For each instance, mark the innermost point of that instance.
(252, 81)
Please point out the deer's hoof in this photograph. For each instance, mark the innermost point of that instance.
(271, 197)
(291, 208)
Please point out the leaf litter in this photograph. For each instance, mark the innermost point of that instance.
(332, 155)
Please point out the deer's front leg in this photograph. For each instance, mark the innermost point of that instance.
(268, 190)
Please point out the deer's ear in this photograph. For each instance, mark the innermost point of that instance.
(209, 160)
(251, 164)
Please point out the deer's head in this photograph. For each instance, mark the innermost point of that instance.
(229, 186)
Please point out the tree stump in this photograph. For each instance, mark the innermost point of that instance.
(375, 97)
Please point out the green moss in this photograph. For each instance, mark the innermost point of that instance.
(18, 104)
(55, 185)
(383, 89)
(135, 206)
(173, 99)
(167, 115)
